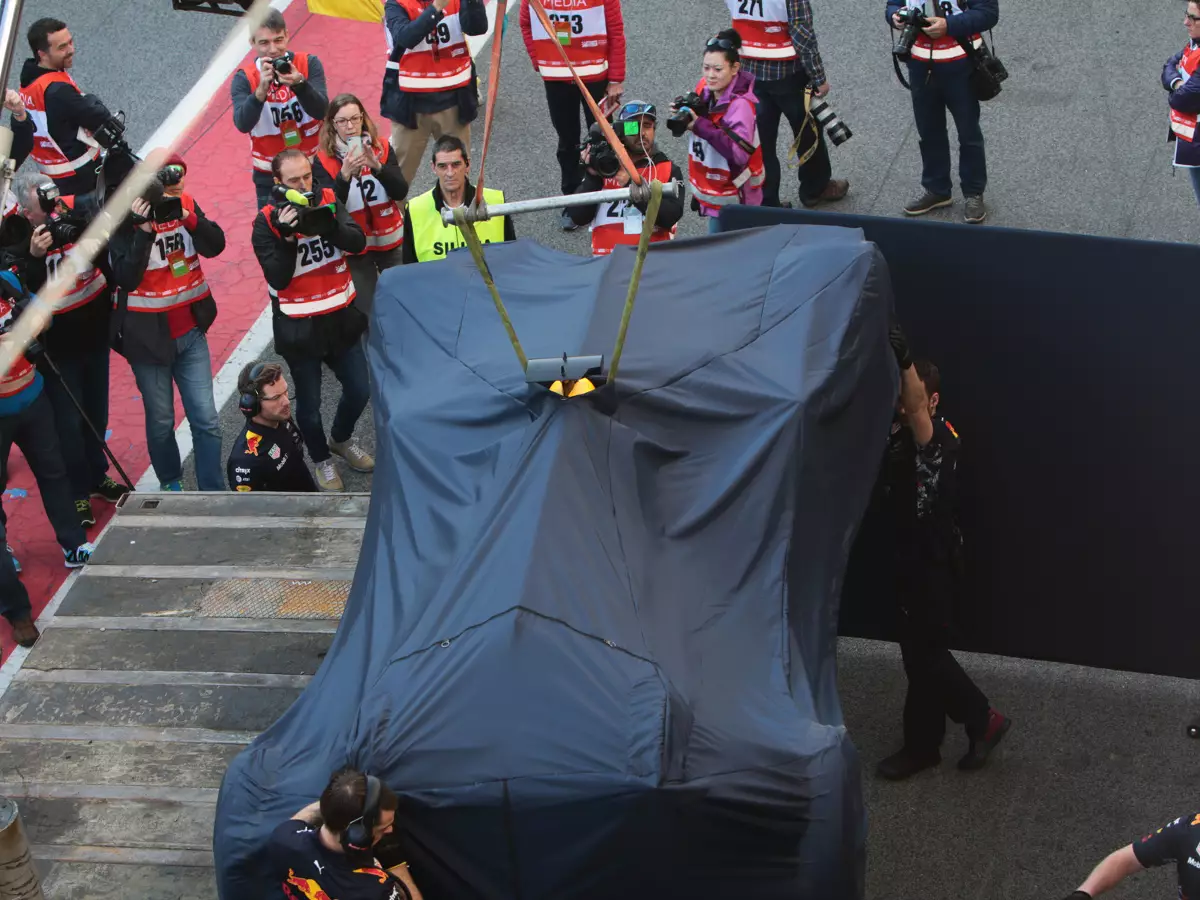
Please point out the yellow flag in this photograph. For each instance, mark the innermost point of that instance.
(359, 10)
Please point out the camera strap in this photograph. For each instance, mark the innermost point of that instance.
(809, 124)
(738, 139)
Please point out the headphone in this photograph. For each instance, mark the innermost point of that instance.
(250, 402)
(357, 838)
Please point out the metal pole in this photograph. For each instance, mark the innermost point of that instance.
(10, 18)
(635, 193)
(18, 875)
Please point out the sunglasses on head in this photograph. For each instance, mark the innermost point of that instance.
(719, 44)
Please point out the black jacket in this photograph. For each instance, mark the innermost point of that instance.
(310, 337)
(409, 252)
(670, 210)
(268, 459)
(67, 110)
(144, 337)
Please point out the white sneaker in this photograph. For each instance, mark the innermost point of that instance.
(328, 478)
(77, 558)
(356, 458)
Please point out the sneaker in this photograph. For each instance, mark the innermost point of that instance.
(171, 486)
(25, 633)
(905, 763)
(834, 191)
(328, 478)
(109, 490)
(77, 558)
(354, 455)
(84, 509)
(977, 755)
(16, 562)
(926, 202)
(974, 211)
(566, 222)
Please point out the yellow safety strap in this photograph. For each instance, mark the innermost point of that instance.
(656, 192)
(808, 123)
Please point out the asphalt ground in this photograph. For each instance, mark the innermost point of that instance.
(1076, 142)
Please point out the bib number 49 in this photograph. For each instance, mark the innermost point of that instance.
(439, 35)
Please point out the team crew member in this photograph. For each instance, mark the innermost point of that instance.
(368, 181)
(77, 343)
(268, 454)
(725, 163)
(164, 309)
(279, 99)
(429, 85)
(918, 482)
(621, 222)
(326, 849)
(939, 72)
(63, 117)
(592, 32)
(302, 255)
(428, 238)
(1176, 842)
(1180, 79)
(779, 48)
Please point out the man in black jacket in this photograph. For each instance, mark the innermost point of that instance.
(300, 241)
(164, 309)
(268, 454)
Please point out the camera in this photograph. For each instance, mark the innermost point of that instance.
(677, 124)
(314, 219)
(601, 156)
(913, 20)
(63, 229)
(283, 64)
(835, 129)
(118, 159)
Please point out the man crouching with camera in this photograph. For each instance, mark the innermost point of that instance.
(621, 222)
(934, 39)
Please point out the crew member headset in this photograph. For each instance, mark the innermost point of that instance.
(250, 402)
(357, 838)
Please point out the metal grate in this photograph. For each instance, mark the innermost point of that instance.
(253, 598)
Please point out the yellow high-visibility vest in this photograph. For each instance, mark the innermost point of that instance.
(359, 10)
(432, 240)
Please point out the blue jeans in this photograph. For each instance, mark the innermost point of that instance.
(192, 372)
(935, 89)
(86, 377)
(714, 225)
(350, 369)
(1194, 174)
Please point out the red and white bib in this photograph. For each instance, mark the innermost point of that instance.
(173, 276)
(763, 25)
(581, 29)
(441, 62)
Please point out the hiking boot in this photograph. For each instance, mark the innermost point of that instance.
(16, 562)
(834, 191)
(25, 633)
(974, 211)
(926, 202)
(84, 510)
(354, 455)
(328, 478)
(979, 750)
(905, 763)
(78, 558)
(171, 486)
(567, 223)
(110, 491)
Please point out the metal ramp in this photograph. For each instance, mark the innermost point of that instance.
(199, 620)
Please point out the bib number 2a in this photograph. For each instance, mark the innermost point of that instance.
(315, 251)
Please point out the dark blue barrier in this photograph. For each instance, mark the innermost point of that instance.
(1069, 368)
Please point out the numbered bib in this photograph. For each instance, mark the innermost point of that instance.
(314, 252)
(941, 9)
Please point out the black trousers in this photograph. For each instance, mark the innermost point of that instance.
(565, 102)
(14, 599)
(937, 685)
(84, 375)
(785, 97)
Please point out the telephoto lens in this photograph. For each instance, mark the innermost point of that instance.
(835, 129)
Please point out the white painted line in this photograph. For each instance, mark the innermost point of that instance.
(119, 733)
(178, 623)
(283, 523)
(187, 679)
(232, 573)
(40, 790)
(130, 856)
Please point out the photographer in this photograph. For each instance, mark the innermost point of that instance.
(64, 118)
(164, 310)
(368, 181)
(279, 99)
(939, 75)
(1180, 80)
(327, 848)
(77, 343)
(300, 239)
(725, 163)
(428, 237)
(268, 454)
(780, 50)
(621, 222)
(429, 83)
(1176, 842)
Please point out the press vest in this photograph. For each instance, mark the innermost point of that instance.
(763, 25)
(714, 184)
(1184, 124)
(433, 240)
(173, 276)
(88, 286)
(50, 158)
(441, 62)
(22, 373)
(581, 29)
(378, 215)
(609, 227)
(945, 48)
(283, 124)
(321, 281)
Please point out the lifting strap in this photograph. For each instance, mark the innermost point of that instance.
(635, 277)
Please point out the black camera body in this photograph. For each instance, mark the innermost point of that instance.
(118, 159)
(283, 64)
(913, 20)
(64, 228)
(601, 156)
(677, 124)
(313, 219)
